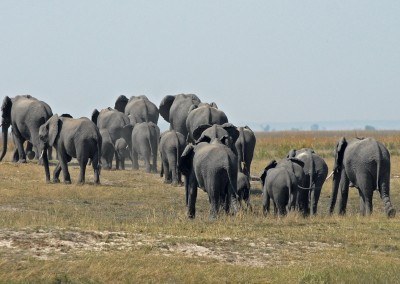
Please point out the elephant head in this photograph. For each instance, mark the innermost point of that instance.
(167, 102)
(337, 170)
(5, 123)
(207, 133)
(48, 134)
(95, 116)
(121, 103)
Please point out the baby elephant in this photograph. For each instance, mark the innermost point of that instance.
(172, 144)
(145, 136)
(122, 151)
(243, 188)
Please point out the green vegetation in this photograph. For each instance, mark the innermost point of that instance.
(133, 228)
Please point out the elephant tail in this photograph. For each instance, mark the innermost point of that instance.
(378, 165)
(243, 148)
(99, 144)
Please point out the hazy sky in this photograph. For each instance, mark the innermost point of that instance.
(259, 61)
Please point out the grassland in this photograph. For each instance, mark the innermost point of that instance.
(133, 228)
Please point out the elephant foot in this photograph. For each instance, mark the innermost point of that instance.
(22, 161)
(56, 180)
(391, 213)
(30, 155)
(167, 181)
(67, 182)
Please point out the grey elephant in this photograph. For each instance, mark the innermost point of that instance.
(201, 115)
(281, 182)
(207, 133)
(175, 110)
(117, 124)
(138, 108)
(315, 172)
(171, 147)
(212, 167)
(365, 165)
(243, 188)
(107, 149)
(123, 151)
(73, 138)
(245, 146)
(145, 137)
(25, 114)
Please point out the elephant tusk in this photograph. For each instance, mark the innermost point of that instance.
(330, 175)
(41, 154)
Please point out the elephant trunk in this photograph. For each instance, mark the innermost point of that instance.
(5, 140)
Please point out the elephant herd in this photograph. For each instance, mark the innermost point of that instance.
(201, 145)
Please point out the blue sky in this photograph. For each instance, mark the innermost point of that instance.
(260, 61)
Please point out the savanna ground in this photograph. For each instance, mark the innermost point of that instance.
(133, 228)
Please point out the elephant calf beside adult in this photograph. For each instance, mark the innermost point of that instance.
(72, 138)
(25, 114)
(365, 165)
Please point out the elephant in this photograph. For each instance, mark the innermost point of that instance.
(171, 147)
(281, 181)
(145, 137)
(107, 149)
(212, 167)
(73, 138)
(364, 164)
(207, 133)
(315, 171)
(243, 188)
(123, 151)
(117, 124)
(175, 110)
(203, 114)
(245, 145)
(138, 108)
(25, 114)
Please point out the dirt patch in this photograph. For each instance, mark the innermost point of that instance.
(55, 243)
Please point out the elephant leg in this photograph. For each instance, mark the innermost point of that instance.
(19, 142)
(384, 189)
(15, 155)
(173, 169)
(165, 166)
(344, 193)
(135, 162)
(30, 153)
(96, 169)
(50, 153)
(275, 208)
(154, 165)
(227, 200)
(64, 167)
(366, 190)
(368, 203)
(191, 199)
(316, 193)
(122, 163)
(117, 160)
(147, 164)
(266, 203)
(362, 202)
(214, 199)
(56, 173)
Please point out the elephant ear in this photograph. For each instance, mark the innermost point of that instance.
(297, 161)
(155, 127)
(121, 103)
(232, 131)
(271, 165)
(165, 106)
(126, 132)
(226, 140)
(214, 105)
(66, 115)
(197, 133)
(6, 109)
(340, 147)
(95, 115)
(292, 153)
(53, 129)
(186, 160)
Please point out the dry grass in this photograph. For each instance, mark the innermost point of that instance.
(133, 228)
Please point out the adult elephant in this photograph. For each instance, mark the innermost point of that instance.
(72, 138)
(175, 110)
(145, 137)
(25, 114)
(315, 172)
(365, 165)
(138, 108)
(212, 167)
(245, 146)
(117, 124)
(201, 115)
